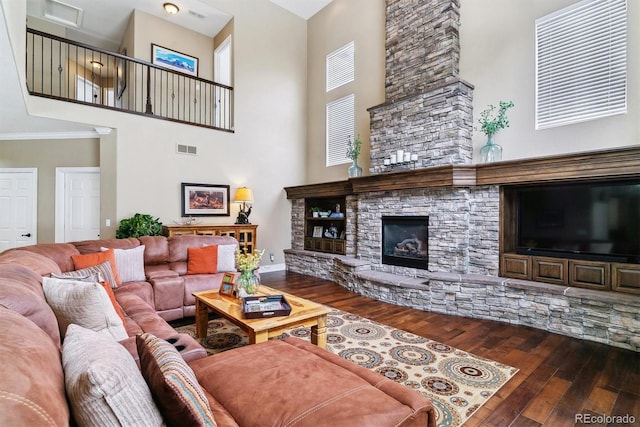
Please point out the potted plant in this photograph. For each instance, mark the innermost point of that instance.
(353, 152)
(139, 225)
(315, 212)
(490, 123)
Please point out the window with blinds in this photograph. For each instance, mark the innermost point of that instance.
(581, 63)
(340, 66)
(340, 127)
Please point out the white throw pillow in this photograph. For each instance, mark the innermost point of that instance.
(103, 382)
(83, 303)
(226, 258)
(130, 264)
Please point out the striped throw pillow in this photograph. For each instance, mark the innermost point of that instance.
(103, 270)
(172, 383)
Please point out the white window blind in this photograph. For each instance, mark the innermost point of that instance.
(340, 66)
(581, 63)
(340, 126)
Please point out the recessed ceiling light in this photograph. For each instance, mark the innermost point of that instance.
(171, 8)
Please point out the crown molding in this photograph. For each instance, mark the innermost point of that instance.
(50, 135)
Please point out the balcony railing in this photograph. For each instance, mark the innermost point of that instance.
(62, 69)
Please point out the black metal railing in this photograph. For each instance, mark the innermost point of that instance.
(62, 69)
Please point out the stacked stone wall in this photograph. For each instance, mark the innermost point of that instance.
(422, 45)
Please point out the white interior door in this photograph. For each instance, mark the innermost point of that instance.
(77, 204)
(18, 207)
(222, 75)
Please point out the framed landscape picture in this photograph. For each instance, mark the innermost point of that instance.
(205, 200)
(172, 60)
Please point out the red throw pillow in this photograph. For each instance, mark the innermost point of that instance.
(107, 287)
(89, 260)
(202, 260)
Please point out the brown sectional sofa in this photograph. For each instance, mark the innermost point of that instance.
(281, 382)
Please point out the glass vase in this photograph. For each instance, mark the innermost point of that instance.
(490, 152)
(355, 170)
(248, 283)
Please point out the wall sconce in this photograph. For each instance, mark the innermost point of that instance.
(243, 195)
(171, 8)
(97, 64)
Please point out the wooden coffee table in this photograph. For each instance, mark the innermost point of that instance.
(303, 313)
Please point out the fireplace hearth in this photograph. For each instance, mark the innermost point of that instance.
(405, 241)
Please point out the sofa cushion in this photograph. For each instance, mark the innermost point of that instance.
(103, 270)
(60, 253)
(172, 382)
(103, 382)
(83, 303)
(178, 245)
(202, 260)
(37, 263)
(32, 382)
(130, 264)
(93, 246)
(90, 260)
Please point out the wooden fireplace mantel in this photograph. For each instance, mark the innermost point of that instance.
(622, 163)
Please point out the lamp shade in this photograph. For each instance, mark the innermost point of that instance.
(243, 194)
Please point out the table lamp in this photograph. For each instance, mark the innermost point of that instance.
(243, 195)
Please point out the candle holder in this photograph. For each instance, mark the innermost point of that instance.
(408, 165)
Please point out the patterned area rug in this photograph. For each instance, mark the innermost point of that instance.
(457, 382)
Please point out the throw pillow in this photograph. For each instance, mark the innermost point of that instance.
(104, 270)
(93, 277)
(84, 303)
(172, 382)
(202, 260)
(89, 260)
(226, 258)
(103, 382)
(130, 264)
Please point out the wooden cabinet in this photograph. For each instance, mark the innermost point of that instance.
(325, 232)
(245, 234)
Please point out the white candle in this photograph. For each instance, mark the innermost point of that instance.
(399, 156)
(387, 162)
(414, 157)
(393, 159)
(407, 156)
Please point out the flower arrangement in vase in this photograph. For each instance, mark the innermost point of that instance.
(248, 264)
(353, 152)
(490, 123)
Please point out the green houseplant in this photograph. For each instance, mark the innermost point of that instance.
(490, 123)
(353, 152)
(139, 225)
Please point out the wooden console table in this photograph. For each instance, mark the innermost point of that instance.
(245, 234)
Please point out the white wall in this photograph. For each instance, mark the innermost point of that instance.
(265, 152)
(497, 56)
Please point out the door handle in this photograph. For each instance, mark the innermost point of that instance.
(26, 235)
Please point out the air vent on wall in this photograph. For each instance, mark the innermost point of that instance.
(187, 149)
(63, 13)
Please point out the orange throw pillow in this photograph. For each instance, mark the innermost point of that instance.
(107, 287)
(89, 260)
(202, 260)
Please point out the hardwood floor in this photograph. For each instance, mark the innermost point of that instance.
(559, 376)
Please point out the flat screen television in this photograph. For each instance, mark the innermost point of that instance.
(591, 221)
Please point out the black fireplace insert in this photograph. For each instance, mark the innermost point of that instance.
(405, 241)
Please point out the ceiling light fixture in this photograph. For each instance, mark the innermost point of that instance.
(97, 64)
(171, 8)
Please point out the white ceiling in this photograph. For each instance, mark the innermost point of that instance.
(102, 23)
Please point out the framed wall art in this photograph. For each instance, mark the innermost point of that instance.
(205, 200)
(317, 231)
(172, 60)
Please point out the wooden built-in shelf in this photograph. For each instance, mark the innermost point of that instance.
(597, 165)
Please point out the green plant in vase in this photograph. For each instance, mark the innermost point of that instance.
(353, 152)
(490, 123)
(248, 264)
(139, 225)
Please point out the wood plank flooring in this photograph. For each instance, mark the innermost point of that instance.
(559, 376)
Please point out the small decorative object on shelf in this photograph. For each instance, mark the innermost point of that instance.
(492, 152)
(353, 151)
(401, 159)
(249, 281)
